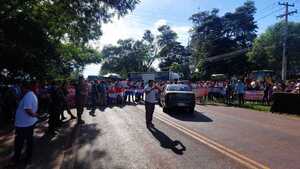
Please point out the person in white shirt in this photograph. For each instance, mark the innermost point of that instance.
(25, 120)
(150, 100)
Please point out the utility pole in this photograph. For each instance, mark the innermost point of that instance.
(284, 44)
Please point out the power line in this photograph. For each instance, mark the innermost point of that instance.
(260, 18)
(227, 55)
(230, 55)
(148, 13)
(269, 14)
(138, 21)
(238, 52)
(267, 8)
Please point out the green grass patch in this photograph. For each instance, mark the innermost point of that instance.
(256, 106)
(248, 105)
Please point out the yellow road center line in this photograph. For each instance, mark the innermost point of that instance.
(231, 153)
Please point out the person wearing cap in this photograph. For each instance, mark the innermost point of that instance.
(151, 90)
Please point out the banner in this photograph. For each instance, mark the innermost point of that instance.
(254, 95)
(201, 92)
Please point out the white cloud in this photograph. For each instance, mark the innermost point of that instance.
(123, 28)
(183, 33)
(159, 23)
(133, 27)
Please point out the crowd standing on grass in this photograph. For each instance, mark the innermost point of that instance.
(235, 90)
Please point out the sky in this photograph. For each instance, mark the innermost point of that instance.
(150, 14)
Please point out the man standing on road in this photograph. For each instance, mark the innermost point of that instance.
(240, 91)
(94, 97)
(81, 88)
(56, 108)
(102, 88)
(26, 117)
(150, 100)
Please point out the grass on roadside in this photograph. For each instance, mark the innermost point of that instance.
(248, 105)
(256, 106)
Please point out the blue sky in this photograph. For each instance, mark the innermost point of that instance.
(150, 14)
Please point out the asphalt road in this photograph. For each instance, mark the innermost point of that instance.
(211, 138)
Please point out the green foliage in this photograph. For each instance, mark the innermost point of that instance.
(77, 57)
(46, 39)
(151, 48)
(127, 56)
(267, 49)
(138, 55)
(213, 35)
(76, 21)
(172, 54)
(167, 36)
(25, 48)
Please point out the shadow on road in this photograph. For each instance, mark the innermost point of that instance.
(47, 149)
(50, 150)
(88, 133)
(79, 153)
(192, 117)
(90, 161)
(166, 142)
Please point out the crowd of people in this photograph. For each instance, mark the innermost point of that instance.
(228, 89)
(57, 96)
(27, 103)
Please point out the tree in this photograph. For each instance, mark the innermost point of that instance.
(172, 54)
(152, 49)
(241, 25)
(138, 55)
(267, 49)
(25, 48)
(76, 21)
(127, 56)
(49, 38)
(214, 35)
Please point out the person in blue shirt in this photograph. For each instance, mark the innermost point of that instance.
(240, 91)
